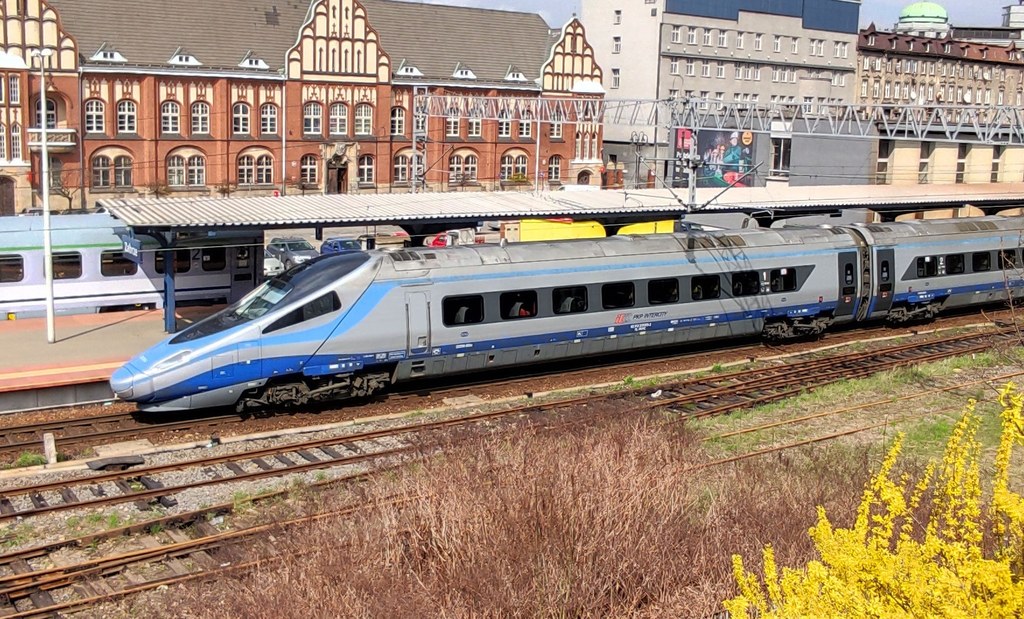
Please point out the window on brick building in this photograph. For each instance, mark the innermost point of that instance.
(246, 170)
(95, 121)
(312, 119)
(123, 172)
(339, 119)
(240, 119)
(556, 124)
(364, 172)
(555, 169)
(526, 125)
(196, 171)
(364, 119)
(176, 171)
(474, 126)
(200, 117)
(504, 124)
(170, 117)
(16, 142)
(268, 119)
(452, 123)
(309, 169)
(264, 170)
(400, 173)
(126, 117)
(101, 167)
(398, 121)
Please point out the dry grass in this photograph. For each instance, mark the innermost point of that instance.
(580, 522)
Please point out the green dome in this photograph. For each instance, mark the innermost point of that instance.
(924, 12)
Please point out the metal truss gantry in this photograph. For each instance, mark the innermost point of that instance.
(938, 123)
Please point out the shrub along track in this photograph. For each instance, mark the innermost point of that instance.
(39, 591)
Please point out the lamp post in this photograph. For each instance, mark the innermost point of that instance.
(44, 185)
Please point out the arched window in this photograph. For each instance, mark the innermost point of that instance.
(240, 119)
(339, 119)
(123, 171)
(364, 119)
(264, 170)
(312, 119)
(196, 171)
(555, 169)
(506, 167)
(3, 142)
(520, 169)
(309, 169)
(246, 169)
(455, 163)
(51, 113)
(469, 167)
(365, 172)
(401, 171)
(95, 122)
(398, 121)
(170, 115)
(200, 117)
(101, 172)
(268, 119)
(176, 171)
(126, 117)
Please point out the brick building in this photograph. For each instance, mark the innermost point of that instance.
(251, 97)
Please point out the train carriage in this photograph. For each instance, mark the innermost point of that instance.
(92, 274)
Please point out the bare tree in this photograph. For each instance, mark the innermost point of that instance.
(65, 183)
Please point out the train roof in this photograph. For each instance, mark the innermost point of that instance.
(719, 240)
(926, 227)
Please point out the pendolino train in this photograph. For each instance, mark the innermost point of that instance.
(353, 324)
(91, 273)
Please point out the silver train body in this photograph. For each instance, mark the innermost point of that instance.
(92, 274)
(342, 326)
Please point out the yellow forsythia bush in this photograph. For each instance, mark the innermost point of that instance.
(887, 566)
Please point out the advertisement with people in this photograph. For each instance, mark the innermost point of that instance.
(726, 157)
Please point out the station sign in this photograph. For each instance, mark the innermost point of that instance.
(132, 248)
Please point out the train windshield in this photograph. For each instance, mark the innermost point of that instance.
(304, 279)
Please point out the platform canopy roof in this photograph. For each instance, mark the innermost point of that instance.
(305, 211)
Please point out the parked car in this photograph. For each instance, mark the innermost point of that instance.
(291, 250)
(340, 245)
(271, 265)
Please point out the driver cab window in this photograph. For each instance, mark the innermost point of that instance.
(318, 307)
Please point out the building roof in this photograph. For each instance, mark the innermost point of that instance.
(875, 40)
(435, 38)
(924, 12)
(220, 35)
(471, 207)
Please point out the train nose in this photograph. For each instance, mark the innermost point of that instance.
(122, 382)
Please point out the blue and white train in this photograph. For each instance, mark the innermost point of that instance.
(351, 325)
(92, 274)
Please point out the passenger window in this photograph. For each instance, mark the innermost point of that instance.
(1009, 258)
(705, 287)
(926, 266)
(981, 261)
(663, 291)
(182, 261)
(466, 310)
(215, 259)
(745, 283)
(618, 295)
(317, 307)
(115, 264)
(782, 280)
(67, 265)
(519, 304)
(572, 300)
(954, 264)
(12, 269)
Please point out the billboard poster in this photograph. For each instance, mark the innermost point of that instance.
(726, 155)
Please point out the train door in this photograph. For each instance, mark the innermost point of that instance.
(238, 363)
(884, 262)
(847, 284)
(417, 311)
(243, 272)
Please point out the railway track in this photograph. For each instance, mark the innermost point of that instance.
(32, 591)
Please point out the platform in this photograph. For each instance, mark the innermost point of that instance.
(87, 350)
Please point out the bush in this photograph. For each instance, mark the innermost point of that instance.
(890, 564)
(29, 459)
